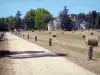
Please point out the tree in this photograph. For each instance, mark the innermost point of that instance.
(11, 23)
(98, 21)
(65, 20)
(42, 17)
(6, 23)
(18, 20)
(81, 15)
(94, 15)
(29, 19)
(2, 24)
(38, 19)
(89, 20)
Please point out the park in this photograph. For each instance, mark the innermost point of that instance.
(41, 44)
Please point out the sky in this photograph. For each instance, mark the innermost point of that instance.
(10, 7)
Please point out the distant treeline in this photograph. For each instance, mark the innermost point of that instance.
(39, 18)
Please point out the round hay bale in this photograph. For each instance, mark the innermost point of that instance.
(49, 32)
(92, 40)
(54, 35)
(82, 30)
(98, 31)
(72, 31)
(92, 33)
(62, 32)
(43, 29)
(83, 36)
(39, 30)
(33, 30)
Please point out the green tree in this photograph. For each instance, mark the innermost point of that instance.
(81, 16)
(2, 24)
(11, 23)
(42, 17)
(6, 22)
(98, 21)
(66, 23)
(89, 20)
(17, 20)
(94, 15)
(29, 19)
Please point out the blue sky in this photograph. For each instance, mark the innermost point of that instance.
(10, 7)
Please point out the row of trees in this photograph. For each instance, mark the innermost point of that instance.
(2, 24)
(11, 22)
(38, 19)
(34, 19)
(92, 19)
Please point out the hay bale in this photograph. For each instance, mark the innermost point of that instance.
(91, 40)
(98, 31)
(39, 30)
(49, 32)
(88, 29)
(72, 31)
(54, 35)
(62, 32)
(83, 36)
(92, 33)
(82, 30)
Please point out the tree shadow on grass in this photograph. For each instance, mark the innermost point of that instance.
(28, 54)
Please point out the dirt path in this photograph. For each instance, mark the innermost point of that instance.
(30, 59)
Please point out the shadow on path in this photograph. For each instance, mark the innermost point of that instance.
(28, 54)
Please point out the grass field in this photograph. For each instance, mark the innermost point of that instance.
(68, 40)
(68, 43)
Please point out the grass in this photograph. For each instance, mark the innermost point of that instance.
(76, 49)
(83, 51)
(68, 40)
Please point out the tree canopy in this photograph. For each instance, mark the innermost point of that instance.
(42, 17)
(29, 19)
(38, 19)
(65, 20)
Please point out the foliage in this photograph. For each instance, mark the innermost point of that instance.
(89, 20)
(2, 24)
(94, 15)
(98, 21)
(65, 20)
(18, 20)
(29, 19)
(42, 17)
(81, 15)
(13, 22)
(38, 19)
